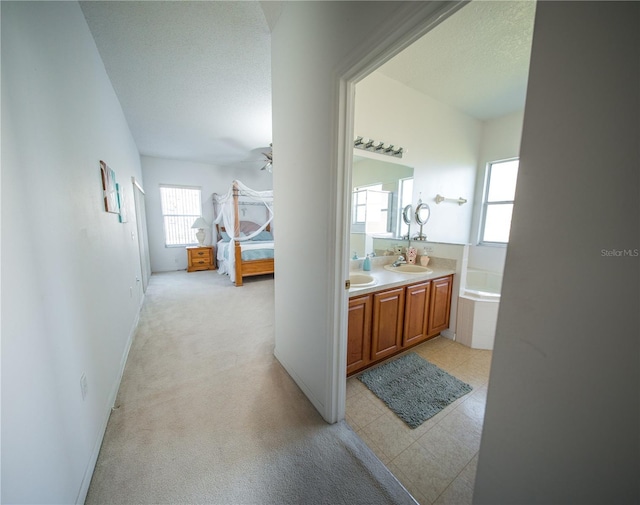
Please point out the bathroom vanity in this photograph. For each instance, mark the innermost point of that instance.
(397, 313)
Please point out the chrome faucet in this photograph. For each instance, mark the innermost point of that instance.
(398, 262)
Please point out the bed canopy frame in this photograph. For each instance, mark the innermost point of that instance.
(256, 208)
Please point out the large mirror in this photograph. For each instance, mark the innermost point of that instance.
(381, 191)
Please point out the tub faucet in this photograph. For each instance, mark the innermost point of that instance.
(398, 262)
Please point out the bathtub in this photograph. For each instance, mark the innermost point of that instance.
(478, 305)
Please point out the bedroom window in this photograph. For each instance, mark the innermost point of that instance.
(498, 200)
(181, 206)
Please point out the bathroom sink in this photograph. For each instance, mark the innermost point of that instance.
(409, 269)
(359, 280)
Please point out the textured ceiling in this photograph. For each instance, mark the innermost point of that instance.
(194, 78)
(476, 61)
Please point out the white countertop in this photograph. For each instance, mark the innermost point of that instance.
(386, 279)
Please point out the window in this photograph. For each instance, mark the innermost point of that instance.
(498, 201)
(360, 206)
(181, 206)
(371, 205)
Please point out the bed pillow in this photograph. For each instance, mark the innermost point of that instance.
(226, 238)
(263, 236)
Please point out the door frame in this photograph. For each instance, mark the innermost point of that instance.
(409, 23)
(143, 240)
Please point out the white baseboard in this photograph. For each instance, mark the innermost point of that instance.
(88, 474)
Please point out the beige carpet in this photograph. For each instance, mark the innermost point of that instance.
(205, 414)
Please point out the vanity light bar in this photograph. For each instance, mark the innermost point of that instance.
(378, 147)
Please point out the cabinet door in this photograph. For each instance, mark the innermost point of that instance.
(359, 333)
(388, 308)
(416, 313)
(440, 305)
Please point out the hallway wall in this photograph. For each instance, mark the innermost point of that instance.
(562, 413)
(70, 296)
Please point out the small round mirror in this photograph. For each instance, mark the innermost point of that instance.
(406, 214)
(423, 212)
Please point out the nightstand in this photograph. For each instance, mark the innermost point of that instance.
(200, 258)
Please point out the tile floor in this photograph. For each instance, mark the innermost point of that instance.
(437, 461)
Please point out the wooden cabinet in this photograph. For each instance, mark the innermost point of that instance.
(387, 322)
(359, 334)
(200, 258)
(386, 331)
(439, 305)
(416, 313)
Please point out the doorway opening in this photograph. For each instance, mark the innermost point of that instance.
(396, 445)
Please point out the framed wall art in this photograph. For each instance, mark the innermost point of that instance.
(122, 204)
(109, 189)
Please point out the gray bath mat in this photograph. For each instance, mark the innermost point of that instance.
(414, 388)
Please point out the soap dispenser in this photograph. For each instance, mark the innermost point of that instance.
(424, 259)
(366, 264)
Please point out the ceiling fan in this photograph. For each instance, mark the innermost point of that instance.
(263, 156)
(268, 157)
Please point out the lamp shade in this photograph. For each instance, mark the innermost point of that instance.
(200, 223)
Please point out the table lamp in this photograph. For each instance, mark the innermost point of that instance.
(200, 224)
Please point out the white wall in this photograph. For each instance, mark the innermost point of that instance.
(562, 413)
(308, 43)
(70, 299)
(489, 258)
(442, 146)
(210, 178)
(501, 138)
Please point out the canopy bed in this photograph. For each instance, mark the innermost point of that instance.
(243, 219)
